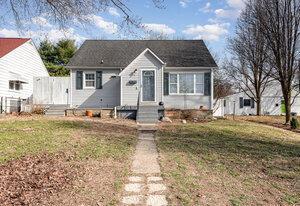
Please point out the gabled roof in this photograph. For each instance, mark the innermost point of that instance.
(9, 44)
(146, 50)
(120, 53)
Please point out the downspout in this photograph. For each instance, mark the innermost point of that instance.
(212, 89)
(162, 81)
(121, 91)
(71, 90)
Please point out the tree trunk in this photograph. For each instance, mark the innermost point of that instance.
(287, 101)
(288, 114)
(258, 107)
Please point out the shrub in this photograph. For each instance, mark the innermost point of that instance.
(38, 109)
(294, 123)
(187, 114)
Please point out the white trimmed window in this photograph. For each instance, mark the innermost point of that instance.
(89, 79)
(173, 83)
(186, 83)
(15, 85)
(199, 83)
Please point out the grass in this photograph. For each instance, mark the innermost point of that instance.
(101, 149)
(230, 163)
(276, 121)
(24, 137)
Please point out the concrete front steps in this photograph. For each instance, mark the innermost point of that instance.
(147, 114)
(56, 110)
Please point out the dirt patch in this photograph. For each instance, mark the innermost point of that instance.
(29, 180)
(100, 184)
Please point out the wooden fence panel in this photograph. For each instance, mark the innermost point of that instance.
(51, 90)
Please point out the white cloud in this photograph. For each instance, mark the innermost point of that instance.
(183, 3)
(227, 13)
(237, 4)
(41, 21)
(54, 35)
(113, 11)
(159, 28)
(106, 26)
(206, 8)
(8, 33)
(233, 10)
(209, 32)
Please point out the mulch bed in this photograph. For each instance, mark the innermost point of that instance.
(30, 179)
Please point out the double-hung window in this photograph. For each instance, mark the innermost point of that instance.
(89, 80)
(186, 83)
(199, 83)
(173, 83)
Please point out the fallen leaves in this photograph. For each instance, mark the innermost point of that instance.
(28, 180)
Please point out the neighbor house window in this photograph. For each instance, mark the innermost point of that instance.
(90, 80)
(11, 85)
(247, 102)
(186, 83)
(14, 85)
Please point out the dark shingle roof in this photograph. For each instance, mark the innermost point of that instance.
(120, 53)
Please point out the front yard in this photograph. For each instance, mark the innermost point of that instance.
(75, 161)
(64, 161)
(228, 162)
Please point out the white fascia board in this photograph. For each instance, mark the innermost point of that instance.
(163, 63)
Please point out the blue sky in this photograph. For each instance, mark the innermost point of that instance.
(212, 21)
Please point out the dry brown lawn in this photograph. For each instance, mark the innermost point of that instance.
(275, 121)
(64, 161)
(227, 162)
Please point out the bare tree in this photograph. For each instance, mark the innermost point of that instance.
(151, 35)
(279, 23)
(248, 66)
(65, 12)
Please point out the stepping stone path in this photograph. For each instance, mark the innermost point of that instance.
(145, 186)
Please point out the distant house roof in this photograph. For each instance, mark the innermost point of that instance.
(9, 44)
(120, 53)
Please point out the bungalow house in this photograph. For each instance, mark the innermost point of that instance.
(19, 63)
(177, 74)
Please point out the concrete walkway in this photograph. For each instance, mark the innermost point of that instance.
(145, 186)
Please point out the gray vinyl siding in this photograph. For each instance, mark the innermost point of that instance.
(174, 101)
(186, 101)
(108, 96)
(130, 92)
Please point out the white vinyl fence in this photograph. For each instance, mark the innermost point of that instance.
(51, 90)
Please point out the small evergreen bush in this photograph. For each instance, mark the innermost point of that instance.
(294, 123)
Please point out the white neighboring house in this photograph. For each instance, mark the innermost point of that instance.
(20, 62)
(272, 103)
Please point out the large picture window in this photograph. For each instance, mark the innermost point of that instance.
(186, 83)
(90, 80)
